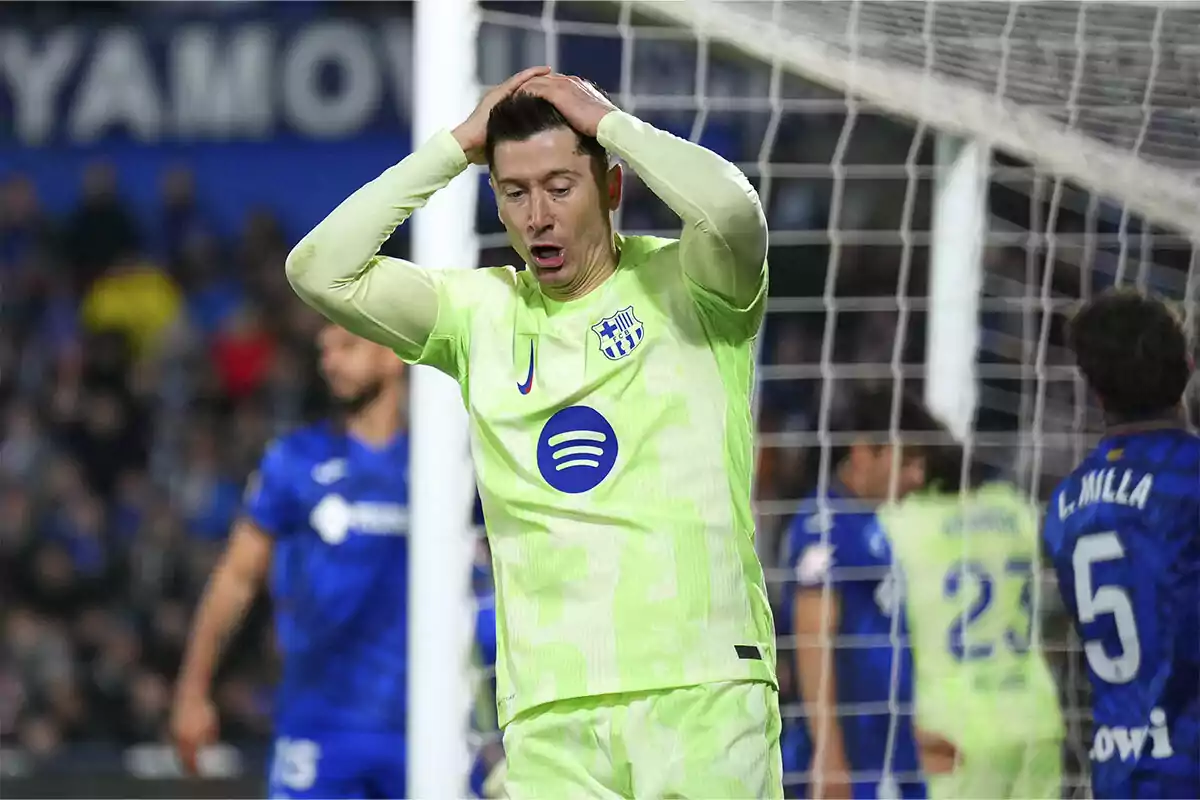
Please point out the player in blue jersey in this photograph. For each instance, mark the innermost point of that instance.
(325, 524)
(1123, 531)
(489, 771)
(860, 735)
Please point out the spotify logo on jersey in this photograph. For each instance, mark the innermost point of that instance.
(577, 450)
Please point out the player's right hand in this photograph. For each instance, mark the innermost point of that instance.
(193, 727)
(830, 780)
(938, 755)
(472, 133)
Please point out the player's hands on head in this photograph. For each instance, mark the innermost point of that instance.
(578, 101)
(193, 727)
(472, 133)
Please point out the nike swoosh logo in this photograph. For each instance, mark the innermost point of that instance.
(527, 386)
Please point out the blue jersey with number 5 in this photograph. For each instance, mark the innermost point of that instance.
(1123, 531)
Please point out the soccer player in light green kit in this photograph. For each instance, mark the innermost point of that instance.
(608, 386)
(987, 710)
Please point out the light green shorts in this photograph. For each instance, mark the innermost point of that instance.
(717, 740)
(1030, 771)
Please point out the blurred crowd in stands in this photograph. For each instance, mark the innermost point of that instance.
(144, 364)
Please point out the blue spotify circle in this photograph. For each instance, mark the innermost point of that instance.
(577, 449)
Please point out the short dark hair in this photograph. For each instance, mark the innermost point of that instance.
(1133, 353)
(869, 414)
(945, 473)
(521, 116)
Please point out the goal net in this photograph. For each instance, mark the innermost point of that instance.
(1081, 123)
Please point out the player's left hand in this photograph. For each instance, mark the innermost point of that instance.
(938, 755)
(576, 99)
(194, 726)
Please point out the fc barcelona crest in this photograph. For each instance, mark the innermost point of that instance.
(619, 334)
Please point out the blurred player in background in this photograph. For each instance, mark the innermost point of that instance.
(852, 675)
(608, 385)
(987, 711)
(1123, 531)
(326, 518)
(489, 770)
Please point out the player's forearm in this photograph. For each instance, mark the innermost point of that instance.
(712, 197)
(818, 689)
(226, 600)
(334, 268)
(816, 625)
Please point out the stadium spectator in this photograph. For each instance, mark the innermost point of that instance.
(181, 221)
(101, 228)
(25, 230)
(213, 295)
(242, 351)
(135, 299)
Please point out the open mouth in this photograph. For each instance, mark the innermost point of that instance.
(546, 256)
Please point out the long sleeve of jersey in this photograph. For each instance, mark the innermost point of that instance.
(724, 238)
(336, 268)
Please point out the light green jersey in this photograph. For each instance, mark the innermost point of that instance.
(970, 568)
(611, 435)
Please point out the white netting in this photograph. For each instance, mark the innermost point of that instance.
(1126, 74)
(832, 110)
(1102, 93)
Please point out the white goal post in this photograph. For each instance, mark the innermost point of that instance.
(441, 479)
(1104, 97)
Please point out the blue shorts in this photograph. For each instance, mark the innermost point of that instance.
(338, 765)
